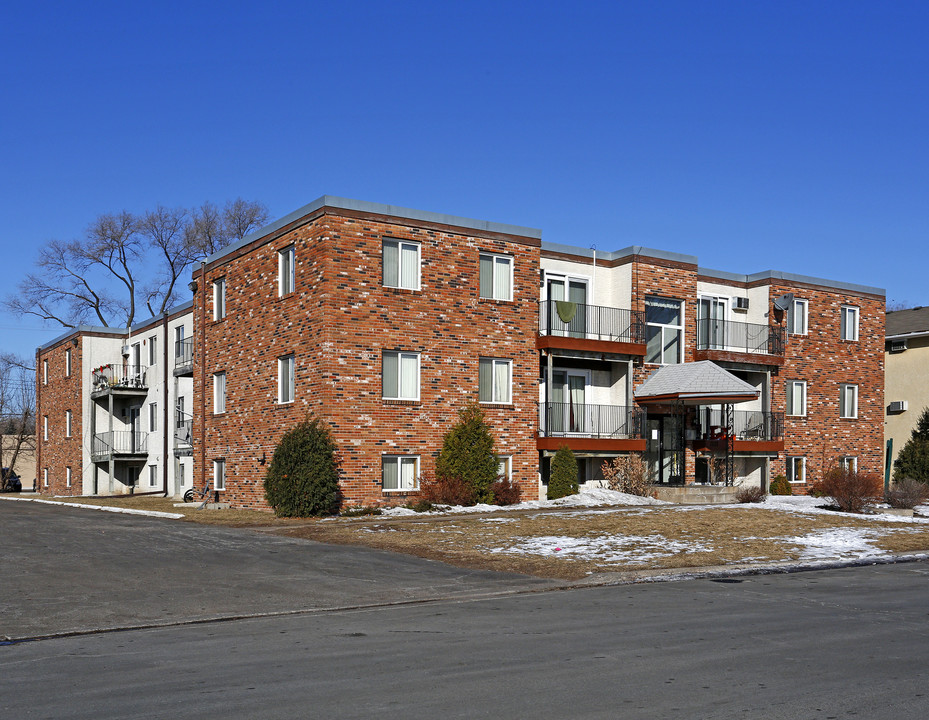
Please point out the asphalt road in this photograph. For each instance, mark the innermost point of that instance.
(825, 644)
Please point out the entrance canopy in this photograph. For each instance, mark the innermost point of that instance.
(697, 383)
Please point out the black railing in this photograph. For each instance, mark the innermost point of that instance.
(739, 337)
(558, 419)
(119, 442)
(746, 424)
(184, 354)
(119, 376)
(592, 322)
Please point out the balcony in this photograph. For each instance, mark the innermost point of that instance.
(119, 444)
(577, 326)
(183, 436)
(732, 341)
(184, 357)
(119, 379)
(751, 429)
(587, 427)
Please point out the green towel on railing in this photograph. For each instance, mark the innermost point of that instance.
(566, 310)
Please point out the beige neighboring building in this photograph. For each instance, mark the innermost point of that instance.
(906, 375)
(25, 460)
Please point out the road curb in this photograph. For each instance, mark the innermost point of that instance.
(105, 508)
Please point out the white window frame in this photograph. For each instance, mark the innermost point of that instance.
(789, 409)
(497, 262)
(68, 362)
(286, 270)
(799, 309)
(219, 474)
(45, 427)
(400, 461)
(401, 357)
(152, 417)
(67, 423)
(493, 363)
(286, 386)
(849, 316)
(153, 350)
(791, 468)
(219, 393)
(400, 245)
(44, 477)
(666, 328)
(153, 476)
(45, 372)
(844, 391)
(67, 477)
(219, 299)
(505, 467)
(849, 463)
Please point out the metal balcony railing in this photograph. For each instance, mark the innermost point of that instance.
(184, 354)
(119, 376)
(119, 442)
(739, 337)
(591, 322)
(594, 421)
(183, 431)
(746, 424)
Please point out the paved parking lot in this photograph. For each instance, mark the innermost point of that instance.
(70, 570)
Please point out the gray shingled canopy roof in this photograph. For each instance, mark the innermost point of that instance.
(906, 322)
(696, 383)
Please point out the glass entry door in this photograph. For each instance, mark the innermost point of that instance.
(567, 306)
(568, 407)
(664, 449)
(711, 322)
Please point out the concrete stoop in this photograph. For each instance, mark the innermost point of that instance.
(698, 494)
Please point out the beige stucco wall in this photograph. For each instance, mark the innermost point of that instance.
(906, 377)
(25, 460)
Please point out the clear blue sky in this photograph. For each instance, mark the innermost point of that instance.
(755, 135)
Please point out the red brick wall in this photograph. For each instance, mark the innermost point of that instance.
(53, 399)
(337, 323)
(825, 362)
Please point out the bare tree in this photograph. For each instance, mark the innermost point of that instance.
(126, 261)
(17, 413)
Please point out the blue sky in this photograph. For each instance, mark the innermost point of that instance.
(762, 135)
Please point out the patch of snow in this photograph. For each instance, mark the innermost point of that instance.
(840, 543)
(601, 548)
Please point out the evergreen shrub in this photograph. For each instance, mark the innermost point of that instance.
(468, 453)
(563, 480)
(303, 478)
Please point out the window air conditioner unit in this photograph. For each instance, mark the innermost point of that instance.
(897, 346)
(741, 303)
(897, 406)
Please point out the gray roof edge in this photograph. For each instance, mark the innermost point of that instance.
(378, 209)
(617, 254)
(904, 336)
(102, 329)
(808, 279)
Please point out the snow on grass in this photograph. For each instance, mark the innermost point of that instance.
(587, 498)
(841, 543)
(600, 548)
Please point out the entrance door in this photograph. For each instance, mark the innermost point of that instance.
(665, 450)
(711, 322)
(568, 410)
(567, 309)
(135, 435)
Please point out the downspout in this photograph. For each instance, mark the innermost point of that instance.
(165, 414)
(202, 372)
(38, 404)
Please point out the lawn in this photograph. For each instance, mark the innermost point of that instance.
(572, 541)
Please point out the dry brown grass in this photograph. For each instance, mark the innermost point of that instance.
(707, 536)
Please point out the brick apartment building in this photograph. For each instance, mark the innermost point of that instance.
(386, 321)
(114, 408)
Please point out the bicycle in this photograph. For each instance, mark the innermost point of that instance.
(201, 493)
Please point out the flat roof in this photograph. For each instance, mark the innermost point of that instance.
(377, 209)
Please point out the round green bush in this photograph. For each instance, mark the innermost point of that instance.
(780, 486)
(563, 480)
(303, 479)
